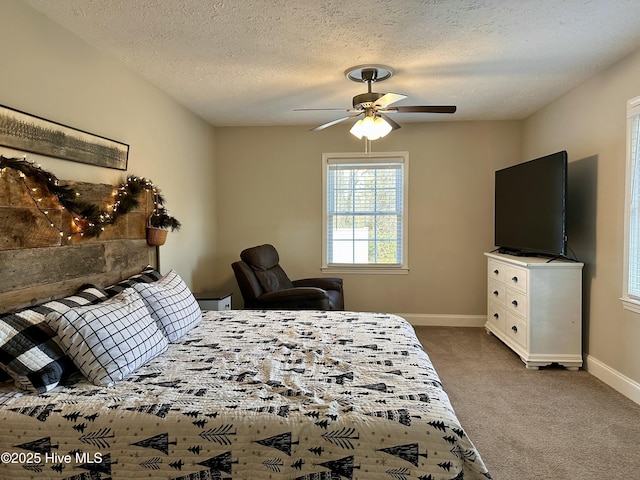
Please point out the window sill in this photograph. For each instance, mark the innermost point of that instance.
(365, 269)
(631, 304)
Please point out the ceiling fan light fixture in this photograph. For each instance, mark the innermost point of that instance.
(370, 127)
(357, 130)
(382, 126)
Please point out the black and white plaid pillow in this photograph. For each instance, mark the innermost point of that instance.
(4, 376)
(28, 351)
(148, 275)
(171, 304)
(111, 340)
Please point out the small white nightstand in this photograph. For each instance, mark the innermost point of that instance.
(214, 300)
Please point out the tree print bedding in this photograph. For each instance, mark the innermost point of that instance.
(251, 395)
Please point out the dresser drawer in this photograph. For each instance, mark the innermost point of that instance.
(496, 316)
(516, 302)
(516, 329)
(495, 270)
(516, 278)
(497, 292)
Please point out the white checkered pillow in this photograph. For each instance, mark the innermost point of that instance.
(171, 304)
(111, 340)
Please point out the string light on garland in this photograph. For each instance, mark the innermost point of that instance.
(88, 220)
(37, 201)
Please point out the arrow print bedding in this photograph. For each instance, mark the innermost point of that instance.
(134, 381)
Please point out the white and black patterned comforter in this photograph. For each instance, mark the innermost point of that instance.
(252, 395)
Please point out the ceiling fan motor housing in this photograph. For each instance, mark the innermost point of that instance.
(365, 100)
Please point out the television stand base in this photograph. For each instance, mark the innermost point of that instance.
(523, 253)
(515, 253)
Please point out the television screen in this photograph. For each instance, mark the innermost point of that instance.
(530, 206)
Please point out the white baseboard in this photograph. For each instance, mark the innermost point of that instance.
(426, 320)
(616, 380)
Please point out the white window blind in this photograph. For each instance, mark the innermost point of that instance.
(365, 211)
(631, 294)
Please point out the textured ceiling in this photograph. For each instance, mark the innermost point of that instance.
(252, 62)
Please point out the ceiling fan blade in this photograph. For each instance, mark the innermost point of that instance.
(327, 109)
(394, 125)
(333, 122)
(422, 109)
(388, 99)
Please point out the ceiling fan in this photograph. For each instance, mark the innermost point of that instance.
(375, 106)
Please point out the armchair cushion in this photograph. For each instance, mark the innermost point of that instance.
(273, 280)
(264, 263)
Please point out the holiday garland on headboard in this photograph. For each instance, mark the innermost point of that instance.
(89, 219)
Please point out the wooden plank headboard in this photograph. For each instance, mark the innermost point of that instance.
(41, 259)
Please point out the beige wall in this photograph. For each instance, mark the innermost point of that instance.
(269, 191)
(590, 123)
(50, 73)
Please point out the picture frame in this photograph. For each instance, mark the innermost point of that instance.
(30, 133)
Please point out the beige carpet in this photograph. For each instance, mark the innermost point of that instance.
(547, 424)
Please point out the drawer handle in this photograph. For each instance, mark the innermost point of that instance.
(515, 329)
(495, 292)
(514, 279)
(496, 271)
(514, 303)
(496, 316)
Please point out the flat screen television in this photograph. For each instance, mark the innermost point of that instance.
(531, 207)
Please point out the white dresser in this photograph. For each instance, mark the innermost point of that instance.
(535, 307)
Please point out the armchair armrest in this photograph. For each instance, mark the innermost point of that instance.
(296, 298)
(324, 283)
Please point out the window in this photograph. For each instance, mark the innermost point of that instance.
(365, 212)
(631, 294)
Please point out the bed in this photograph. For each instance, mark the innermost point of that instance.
(242, 394)
(252, 394)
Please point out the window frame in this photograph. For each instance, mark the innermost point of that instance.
(364, 158)
(631, 301)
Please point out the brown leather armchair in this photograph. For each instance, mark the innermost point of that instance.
(265, 286)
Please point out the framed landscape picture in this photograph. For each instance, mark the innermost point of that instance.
(29, 133)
